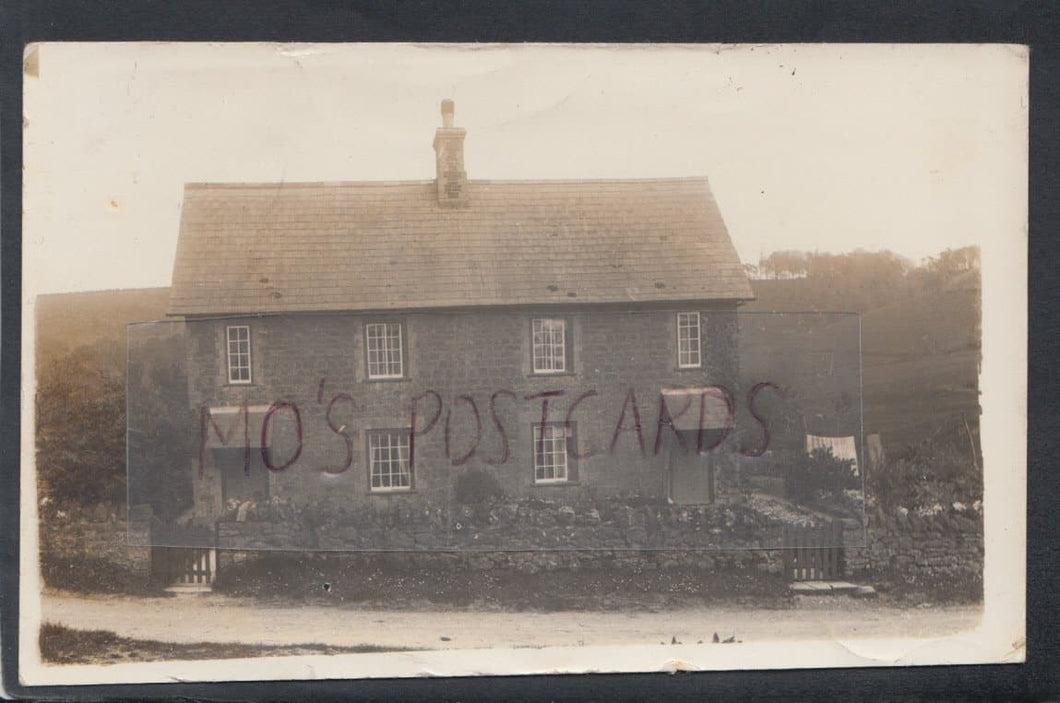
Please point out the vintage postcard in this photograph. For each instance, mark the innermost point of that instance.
(351, 361)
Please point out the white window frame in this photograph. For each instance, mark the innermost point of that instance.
(391, 455)
(544, 352)
(390, 355)
(689, 346)
(235, 356)
(551, 441)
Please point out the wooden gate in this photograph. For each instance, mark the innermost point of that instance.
(184, 566)
(814, 553)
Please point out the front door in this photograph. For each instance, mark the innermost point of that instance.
(691, 475)
(239, 481)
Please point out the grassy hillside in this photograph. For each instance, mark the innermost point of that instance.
(67, 321)
(920, 349)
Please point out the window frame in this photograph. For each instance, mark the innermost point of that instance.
(229, 353)
(698, 339)
(570, 462)
(369, 436)
(402, 356)
(568, 346)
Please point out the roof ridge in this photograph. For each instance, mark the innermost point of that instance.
(222, 185)
(237, 185)
(662, 179)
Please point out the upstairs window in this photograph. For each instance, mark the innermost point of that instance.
(238, 353)
(552, 460)
(688, 341)
(550, 345)
(384, 347)
(388, 461)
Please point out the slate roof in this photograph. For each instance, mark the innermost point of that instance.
(260, 248)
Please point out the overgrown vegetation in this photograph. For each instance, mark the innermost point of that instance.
(943, 468)
(477, 488)
(81, 427)
(820, 478)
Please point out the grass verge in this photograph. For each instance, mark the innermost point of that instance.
(64, 645)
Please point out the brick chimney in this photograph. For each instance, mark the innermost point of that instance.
(449, 153)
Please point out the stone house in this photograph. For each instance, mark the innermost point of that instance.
(371, 343)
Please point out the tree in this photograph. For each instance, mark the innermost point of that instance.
(784, 264)
(953, 262)
(80, 423)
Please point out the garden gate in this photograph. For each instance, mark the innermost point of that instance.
(814, 553)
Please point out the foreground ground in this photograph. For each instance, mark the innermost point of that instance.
(210, 618)
(64, 645)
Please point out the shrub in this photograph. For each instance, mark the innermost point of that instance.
(819, 472)
(944, 467)
(476, 487)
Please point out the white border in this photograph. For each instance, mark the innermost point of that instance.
(999, 638)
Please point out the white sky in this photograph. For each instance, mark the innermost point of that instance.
(827, 147)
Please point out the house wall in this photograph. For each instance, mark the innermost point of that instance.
(309, 360)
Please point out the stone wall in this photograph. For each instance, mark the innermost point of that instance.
(765, 563)
(527, 524)
(633, 542)
(937, 550)
(96, 534)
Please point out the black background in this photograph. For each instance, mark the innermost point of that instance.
(1033, 23)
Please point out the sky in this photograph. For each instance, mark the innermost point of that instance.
(912, 148)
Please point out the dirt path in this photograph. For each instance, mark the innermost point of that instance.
(213, 618)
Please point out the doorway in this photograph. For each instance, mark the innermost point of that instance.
(690, 475)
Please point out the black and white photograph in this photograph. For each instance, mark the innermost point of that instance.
(394, 360)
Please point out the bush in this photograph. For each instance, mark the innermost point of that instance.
(476, 487)
(942, 468)
(820, 472)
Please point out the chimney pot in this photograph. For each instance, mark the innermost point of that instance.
(447, 113)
